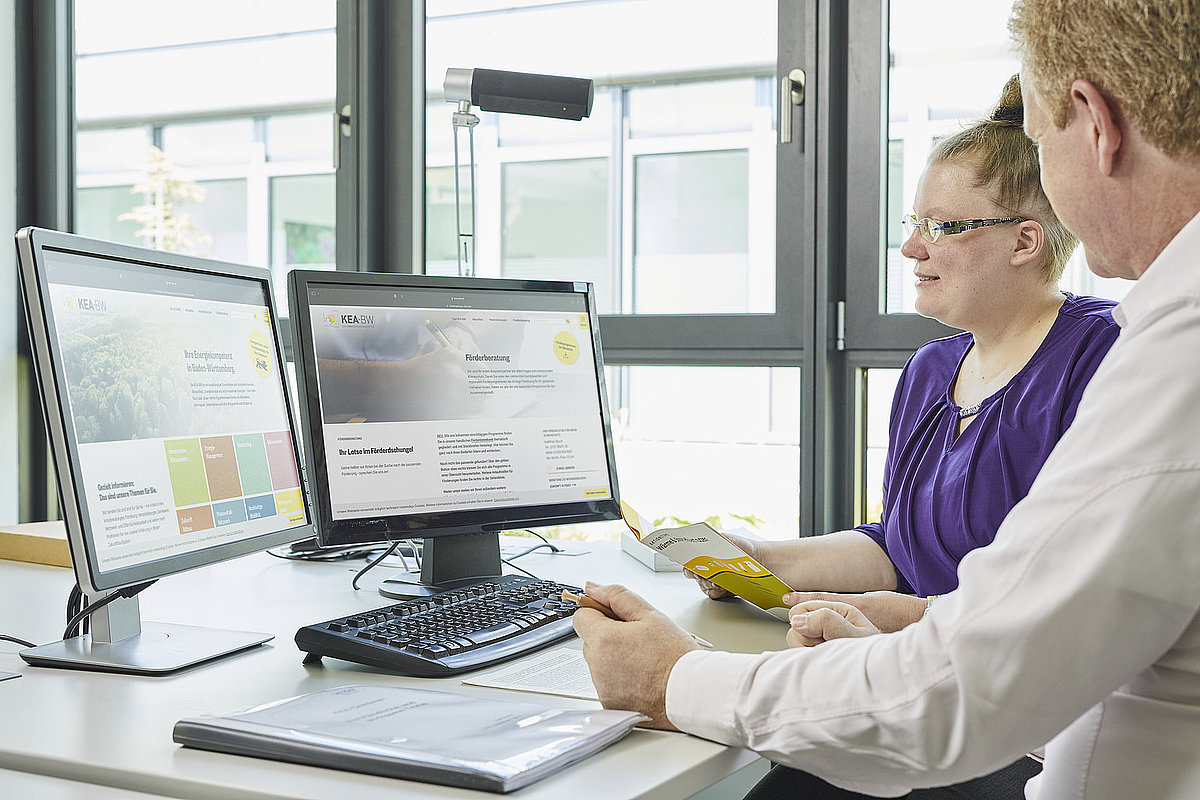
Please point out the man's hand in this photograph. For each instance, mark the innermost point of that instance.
(887, 611)
(631, 657)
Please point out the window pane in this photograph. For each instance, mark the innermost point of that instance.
(98, 211)
(700, 442)
(302, 228)
(880, 388)
(149, 60)
(225, 142)
(441, 226)
(300, 137)
(550, 214)
(691, 234)
(109, 150)
(716, 107)
(219, 220)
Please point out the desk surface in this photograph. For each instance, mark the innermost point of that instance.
(44, 787)
(115, 730)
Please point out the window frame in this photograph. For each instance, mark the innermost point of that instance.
(45, 173)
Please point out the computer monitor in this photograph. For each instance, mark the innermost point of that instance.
(450, 409)
(166, 402)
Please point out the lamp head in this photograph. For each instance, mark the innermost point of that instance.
(520, 92)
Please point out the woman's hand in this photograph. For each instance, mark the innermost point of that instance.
(714, 592)
(887, 611)
(818, 621)
(873, 612)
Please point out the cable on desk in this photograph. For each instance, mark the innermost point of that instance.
(553, 548)
(75, 600)
(545, 543)
(15, 640)
(348, 553)
(375, 562)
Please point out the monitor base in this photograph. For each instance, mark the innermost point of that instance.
(407, 586)
(447, 562)
(159, 649)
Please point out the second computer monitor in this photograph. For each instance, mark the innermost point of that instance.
(449, 409)
(166, 404)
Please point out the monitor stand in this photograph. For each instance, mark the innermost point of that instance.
(120, 642)
(447, 562)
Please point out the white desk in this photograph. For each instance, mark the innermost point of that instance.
(27, 786)
(115, 730)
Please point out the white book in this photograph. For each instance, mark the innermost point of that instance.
(415, 734)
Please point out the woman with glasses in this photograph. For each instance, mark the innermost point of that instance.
(974, 415)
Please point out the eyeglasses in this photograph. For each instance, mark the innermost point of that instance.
(933, 229)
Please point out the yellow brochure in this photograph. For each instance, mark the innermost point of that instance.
(711, 555)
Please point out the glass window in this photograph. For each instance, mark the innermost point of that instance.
(694, 443)
(691, 234)
(688, 108)
(302, 208)
(217, 220)
(102, 213)
(880, 389)
(110, 150)
(142, 59)
(551, 211)
(441, 226)
(300, 137)
(223, 142)
(302, 228)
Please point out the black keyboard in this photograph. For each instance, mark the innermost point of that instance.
(451, 632)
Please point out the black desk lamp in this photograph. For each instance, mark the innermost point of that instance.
(504, 93)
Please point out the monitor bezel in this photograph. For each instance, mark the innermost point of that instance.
(32, 243)
(377, 530)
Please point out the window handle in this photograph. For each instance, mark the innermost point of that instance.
(341, 127)
(791, 97)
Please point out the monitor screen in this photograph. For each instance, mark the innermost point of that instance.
(167, 406)
(450, 407)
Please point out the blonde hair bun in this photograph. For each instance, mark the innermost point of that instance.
(1010, 110)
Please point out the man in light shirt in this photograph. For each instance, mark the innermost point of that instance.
(1079, 625)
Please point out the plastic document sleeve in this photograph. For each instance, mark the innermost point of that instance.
(414, 734)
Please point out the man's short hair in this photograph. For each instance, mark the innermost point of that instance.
(1143, 54)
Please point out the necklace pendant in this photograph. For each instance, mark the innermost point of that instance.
(969, 411)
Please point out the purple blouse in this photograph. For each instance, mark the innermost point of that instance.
(945, 495)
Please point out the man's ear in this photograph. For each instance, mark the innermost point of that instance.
(1097, 112)
(1030, 242)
